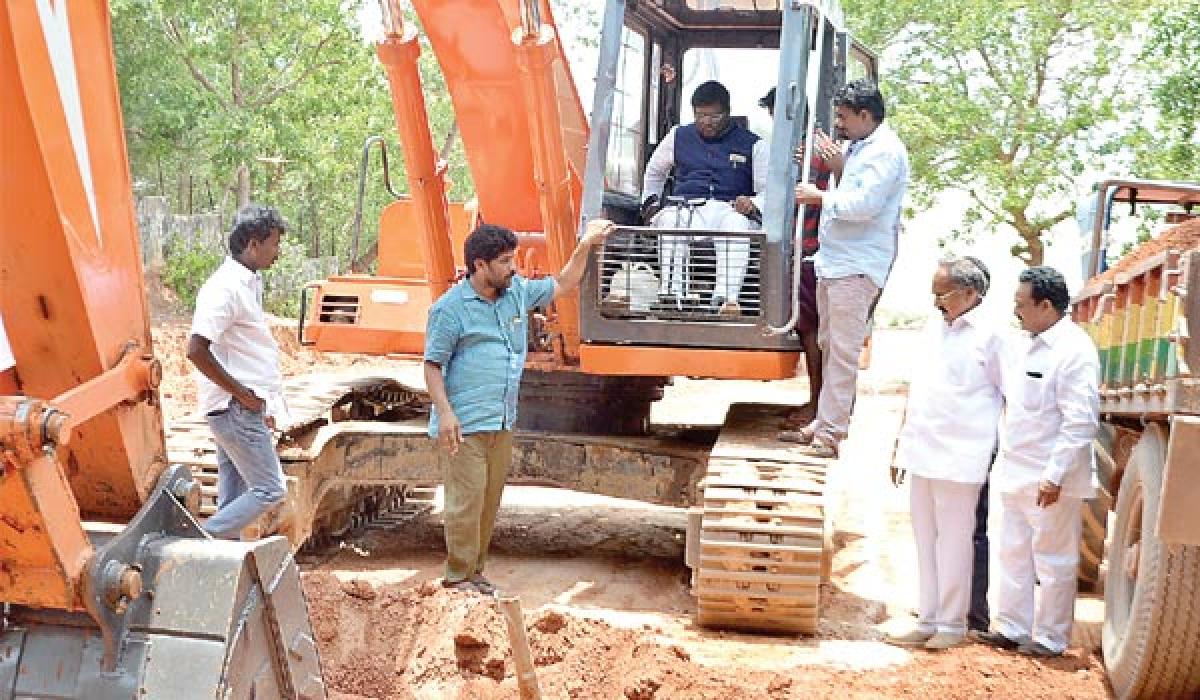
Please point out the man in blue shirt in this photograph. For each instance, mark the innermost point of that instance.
(475, 344)
(860, 224)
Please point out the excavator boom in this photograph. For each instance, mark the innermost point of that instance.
(111, 589)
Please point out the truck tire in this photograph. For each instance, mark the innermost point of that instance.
(1095, 515)
(1151, 633)
(1091, 546)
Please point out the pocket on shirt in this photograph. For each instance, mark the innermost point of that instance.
(966, 371)
(1038, 393)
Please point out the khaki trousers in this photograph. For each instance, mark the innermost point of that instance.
(473, 485)
(844, 306)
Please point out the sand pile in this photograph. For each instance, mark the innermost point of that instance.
(1185, 236)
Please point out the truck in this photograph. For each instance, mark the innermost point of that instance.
(758, 536)
(109, 588)
(1143, 316)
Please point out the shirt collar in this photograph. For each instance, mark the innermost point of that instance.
(469, 293)
(859, 144)
(970, 318)
(238, 271)
(1051, 335)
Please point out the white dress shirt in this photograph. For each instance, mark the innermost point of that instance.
(860, 217)
(954, 400)
(6, 356)
(663, 160)
(1050, 382)
(229, 313)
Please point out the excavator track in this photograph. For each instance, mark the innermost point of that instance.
(356, 456)
(761, 547)
(315, 401)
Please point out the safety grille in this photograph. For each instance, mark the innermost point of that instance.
(680, 274)
(338, 308)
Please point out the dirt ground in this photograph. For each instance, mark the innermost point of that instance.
(605, 591)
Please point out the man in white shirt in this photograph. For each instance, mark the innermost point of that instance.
(240, 388)
(715, 161)
(8, 379)
(946, 443)
(860, 223)
(1045, 469)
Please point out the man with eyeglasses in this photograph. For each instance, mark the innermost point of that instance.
(946, 444)
(715, 161)
(860, 225)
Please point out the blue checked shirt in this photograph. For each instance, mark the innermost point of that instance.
(480, 346)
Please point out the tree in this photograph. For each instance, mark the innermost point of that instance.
(1171, 63)
(264, 100)
(1008, 100)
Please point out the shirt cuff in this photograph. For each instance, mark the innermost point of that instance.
(1054, 473)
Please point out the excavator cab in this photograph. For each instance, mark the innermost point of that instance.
(540, 167)
(636, 315)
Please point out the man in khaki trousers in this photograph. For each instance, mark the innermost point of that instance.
(860, 222)
(475, 344)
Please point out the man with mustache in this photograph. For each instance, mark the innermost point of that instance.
(946, 443)
(239, 385)
(715, 161)
(860, 226)
(1045, 469)
(475, 345)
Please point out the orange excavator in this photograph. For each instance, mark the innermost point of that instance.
(110, 589)
(757, 535)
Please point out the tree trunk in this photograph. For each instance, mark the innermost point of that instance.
(243, 186)
(1031, 251)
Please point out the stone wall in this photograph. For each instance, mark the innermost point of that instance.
(164, 234)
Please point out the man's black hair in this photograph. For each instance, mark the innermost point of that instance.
(859, 95)
(767, 101)
(1046, 283)
(486, 243)
(254, 223)
(711, 93)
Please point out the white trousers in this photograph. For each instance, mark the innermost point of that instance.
(732, 254)
(1042, 542)
(943, 520)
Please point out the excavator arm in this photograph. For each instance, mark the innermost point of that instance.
(101, 558)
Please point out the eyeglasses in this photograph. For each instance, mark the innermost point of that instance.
(710, 118)
(941, 298)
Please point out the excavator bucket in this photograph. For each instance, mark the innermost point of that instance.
(201, 618)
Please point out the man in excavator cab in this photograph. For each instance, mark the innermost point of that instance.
(715, 160)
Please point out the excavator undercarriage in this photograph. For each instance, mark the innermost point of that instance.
(357, 452)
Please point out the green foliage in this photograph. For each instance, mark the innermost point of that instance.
(283, 281)
(288, 89)
(1008, 100)
(187, 269)
(1170, 149)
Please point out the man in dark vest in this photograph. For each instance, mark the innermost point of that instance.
(715, 161)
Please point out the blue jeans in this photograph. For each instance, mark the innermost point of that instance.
(249, 476)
